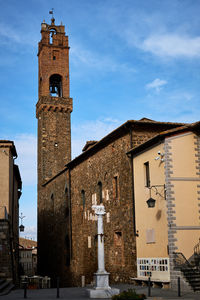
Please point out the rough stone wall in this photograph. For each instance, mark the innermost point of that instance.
(54, 151)
(110, 166)
(54, 230)
(109, 163)
(67, 244)
(54, 142)
(5, 253)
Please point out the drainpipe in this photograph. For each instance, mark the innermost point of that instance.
(132, 182)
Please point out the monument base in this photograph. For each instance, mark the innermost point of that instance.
(102, 293)
(102, 288)
(101, 280)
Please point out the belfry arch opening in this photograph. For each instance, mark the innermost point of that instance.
(55, 85)
(51, 35)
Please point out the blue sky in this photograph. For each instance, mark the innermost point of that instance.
(128, 59)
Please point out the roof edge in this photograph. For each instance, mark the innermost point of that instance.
(115, 133)
(162, 135)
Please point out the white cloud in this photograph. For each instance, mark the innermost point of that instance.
(85, 58)
(91, 130)
(174, 105)
(30, 232)
(172, 45)
(26, 146)
(8, 35)
(156, 84)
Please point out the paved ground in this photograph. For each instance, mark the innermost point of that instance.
(80, 294)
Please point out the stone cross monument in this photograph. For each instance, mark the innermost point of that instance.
(102, 288)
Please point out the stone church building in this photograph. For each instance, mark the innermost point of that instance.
(67, 189)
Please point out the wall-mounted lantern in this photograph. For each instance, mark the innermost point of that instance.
(21, 227)
(151, 202)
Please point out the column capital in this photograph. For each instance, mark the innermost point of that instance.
(99, 210)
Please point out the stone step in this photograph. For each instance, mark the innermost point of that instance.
(6, 286)
(2, 280)
(195, 284)
(192, 276)
(190, 273)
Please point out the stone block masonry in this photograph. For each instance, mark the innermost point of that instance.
(5, 251)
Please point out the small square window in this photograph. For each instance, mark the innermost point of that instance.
(100, 192)
(116, 187)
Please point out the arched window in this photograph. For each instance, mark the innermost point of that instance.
(55, 85)
(52, 204)
(51, 34)
(83, 198)
(52, 196)
(66, 190)
(100, 192)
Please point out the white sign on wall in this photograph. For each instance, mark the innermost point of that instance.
(156, 268)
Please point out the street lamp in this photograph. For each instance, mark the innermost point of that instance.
(21, 227)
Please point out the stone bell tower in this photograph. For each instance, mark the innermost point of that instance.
(53, 112)
(54, 105)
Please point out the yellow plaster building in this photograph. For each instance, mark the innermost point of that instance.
(167, 201)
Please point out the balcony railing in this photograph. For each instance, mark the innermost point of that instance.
(180, 261)
(3, 213)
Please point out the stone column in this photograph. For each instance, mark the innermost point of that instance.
(101, 276)
(102, 288)
(100, 212)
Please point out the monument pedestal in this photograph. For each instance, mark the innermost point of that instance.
(102, 288)
(102, 293)
(101, 280)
